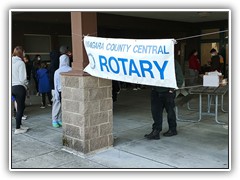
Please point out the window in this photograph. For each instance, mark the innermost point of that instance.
(37, 44)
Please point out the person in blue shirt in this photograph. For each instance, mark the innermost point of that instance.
(44, 85)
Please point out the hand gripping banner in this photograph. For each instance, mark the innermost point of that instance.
(142, 61)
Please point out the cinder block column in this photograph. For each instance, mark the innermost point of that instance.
(86, 100)
(86, 113)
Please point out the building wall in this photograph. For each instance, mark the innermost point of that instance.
(21, 28)
(109, 25)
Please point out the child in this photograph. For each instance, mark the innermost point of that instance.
(44, 85)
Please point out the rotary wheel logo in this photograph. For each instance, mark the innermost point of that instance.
(91, 61)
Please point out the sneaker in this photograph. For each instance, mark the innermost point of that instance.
(49, 104)
(20, 130)
(24, 127)
(59, 123)
(135, 89)
(24, 117)
(42, 107)
(55, 124)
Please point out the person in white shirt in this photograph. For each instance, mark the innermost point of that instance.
(19, 86)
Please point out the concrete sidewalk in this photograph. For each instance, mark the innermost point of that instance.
(198, 145)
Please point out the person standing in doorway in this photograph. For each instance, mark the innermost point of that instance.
(216, 61)
(19, 86)
(164, 98)
(194, 67)
(63, 67)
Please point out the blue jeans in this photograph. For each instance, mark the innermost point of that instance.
(159, 101)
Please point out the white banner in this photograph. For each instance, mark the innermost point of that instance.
(149, 62)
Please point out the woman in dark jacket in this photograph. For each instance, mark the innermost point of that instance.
(36, 66)
(54, 65)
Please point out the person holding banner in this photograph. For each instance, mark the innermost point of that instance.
(163, 97)
(139, 61)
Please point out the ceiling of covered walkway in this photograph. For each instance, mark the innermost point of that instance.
(181, 16)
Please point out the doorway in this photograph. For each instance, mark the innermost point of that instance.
(205, 49)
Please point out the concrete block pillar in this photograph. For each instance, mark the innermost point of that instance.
(86, 113)
(86, 100)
